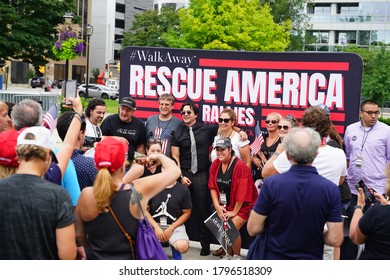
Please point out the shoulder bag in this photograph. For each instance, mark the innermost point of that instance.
(147, 244)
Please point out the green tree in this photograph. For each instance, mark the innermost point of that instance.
(229, 25)
(148, 26)
(291, 10)
(376, 69)
(27, 28)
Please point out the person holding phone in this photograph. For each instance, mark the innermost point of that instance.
(373, 226)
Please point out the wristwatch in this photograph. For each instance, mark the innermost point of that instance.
(359, 207)
(181, 176)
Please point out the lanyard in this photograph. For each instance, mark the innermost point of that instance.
(365, 135)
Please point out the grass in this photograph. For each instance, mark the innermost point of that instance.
(111, 105)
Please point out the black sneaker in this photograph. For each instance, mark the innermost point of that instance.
(205, 251)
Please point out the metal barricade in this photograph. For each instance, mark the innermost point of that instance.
(46, 99)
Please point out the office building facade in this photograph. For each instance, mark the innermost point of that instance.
(337, 24)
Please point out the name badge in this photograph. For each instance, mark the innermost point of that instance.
(163, 221)
(223, 199)
(359, 162)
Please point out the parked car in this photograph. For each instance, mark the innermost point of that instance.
(96, 90)
(37, 82)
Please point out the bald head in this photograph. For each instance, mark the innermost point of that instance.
(301, 145)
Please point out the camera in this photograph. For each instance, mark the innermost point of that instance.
(89, 141)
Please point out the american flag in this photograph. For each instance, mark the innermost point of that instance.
(162, 134)
(50, 118)
(259, 140)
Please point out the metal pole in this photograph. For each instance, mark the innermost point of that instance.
(87, 75)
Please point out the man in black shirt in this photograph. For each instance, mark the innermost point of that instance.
(127, 126)
(196, 181)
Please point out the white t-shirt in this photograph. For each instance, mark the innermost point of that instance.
(92, 130)
(330, 163)
(236, 145)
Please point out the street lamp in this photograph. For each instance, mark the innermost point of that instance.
(68, 16)
(88, 32)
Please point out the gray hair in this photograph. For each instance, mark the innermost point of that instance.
(26, 113)
(301, 144)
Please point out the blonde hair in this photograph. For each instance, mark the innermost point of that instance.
(276, 115)
(6, 171)
(29, 152)
(103, 189)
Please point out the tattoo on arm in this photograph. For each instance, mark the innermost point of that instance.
(133, 198)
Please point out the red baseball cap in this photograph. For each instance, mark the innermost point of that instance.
(110, 153)
(8, 140)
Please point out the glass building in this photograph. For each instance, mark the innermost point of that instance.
(337, 24)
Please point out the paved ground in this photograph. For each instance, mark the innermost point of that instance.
(193, 252)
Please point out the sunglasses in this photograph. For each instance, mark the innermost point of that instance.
(221, 120)
(285, 127)
(189, 112)
(271, 121)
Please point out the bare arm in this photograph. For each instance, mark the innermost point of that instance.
(256, 223)
(149, 186)
(134, 173)
(175, 151)
(355, 234)
(333, 236)
(246, 156)
(66, 150)
(66, 242)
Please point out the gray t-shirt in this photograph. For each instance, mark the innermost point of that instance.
(31, 209)
(163, 130)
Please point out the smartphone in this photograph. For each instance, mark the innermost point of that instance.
(70, 91)
(370, 198)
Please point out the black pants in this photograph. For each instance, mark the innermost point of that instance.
(201, 199)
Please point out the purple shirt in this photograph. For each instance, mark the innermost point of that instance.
(373, 145)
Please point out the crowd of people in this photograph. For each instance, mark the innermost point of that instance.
(75, 201)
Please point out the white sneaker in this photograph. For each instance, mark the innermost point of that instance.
(233, 258)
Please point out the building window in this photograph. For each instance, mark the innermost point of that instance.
(321, 37)
(348, 9)
(78, 72)
(59, 72)
(318, 9)
(170, 5)
(345, 37)
(120, 8)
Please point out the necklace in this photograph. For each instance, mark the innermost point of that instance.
(222, 136)
(276, 140)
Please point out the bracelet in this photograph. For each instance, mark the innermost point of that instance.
(77, 116)
(359, 207)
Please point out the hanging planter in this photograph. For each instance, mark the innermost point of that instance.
(68, 46)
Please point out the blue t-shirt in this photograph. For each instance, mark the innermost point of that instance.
(297, 204)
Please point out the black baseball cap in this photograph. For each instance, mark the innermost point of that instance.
(128, 102)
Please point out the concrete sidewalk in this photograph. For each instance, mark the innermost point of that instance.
(194, 251)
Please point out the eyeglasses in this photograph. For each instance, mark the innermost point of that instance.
(220, 120)
(285, 127)
(271, 121)
(372, 112)
(189, 112)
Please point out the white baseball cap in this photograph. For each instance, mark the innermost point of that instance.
(42, 137)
